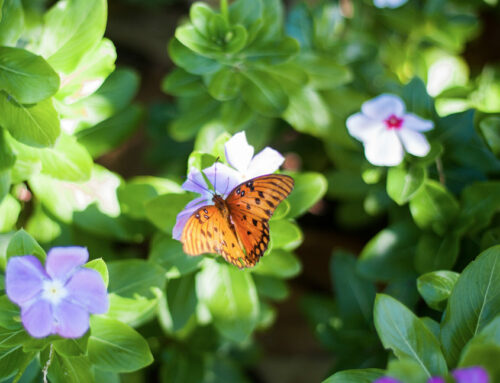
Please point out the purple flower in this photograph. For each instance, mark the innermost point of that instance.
(471, 375)
(223, 179)
(474, 374)
(56, 299)
(387, 131)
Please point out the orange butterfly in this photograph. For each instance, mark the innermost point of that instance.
(238, 227)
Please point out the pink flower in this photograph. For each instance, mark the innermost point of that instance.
(387, 131)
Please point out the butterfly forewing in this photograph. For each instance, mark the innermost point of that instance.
(251, 205)
(207, 231)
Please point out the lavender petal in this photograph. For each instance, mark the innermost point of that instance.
(72, 320)
(24, 277)
(86, 288)
(61, 261)
(475, 374)
(37, 319)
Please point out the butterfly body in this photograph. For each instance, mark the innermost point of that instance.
(237, 227)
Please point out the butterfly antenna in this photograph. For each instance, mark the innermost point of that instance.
(215, 186)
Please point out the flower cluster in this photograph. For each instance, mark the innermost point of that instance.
(56, 299)
(387, 131)
(461, 375)
(243, 166)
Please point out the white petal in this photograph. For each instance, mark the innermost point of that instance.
(223, 178)
(196, 183)
(267, 161)
(414, 122)
(385, 149)
(414, 142)
(383, 106)
(238, 152)
(363, 128)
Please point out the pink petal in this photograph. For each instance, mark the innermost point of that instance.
(223, 178)
(184, 215)
(37, 319)
(267, 161)
(383, 106)
(62, 261)
(24, 277)
(71, 320)
(414, 122)
(414, 142)
(239, 152)
(385, 149)
(86, 288)
(363, 128)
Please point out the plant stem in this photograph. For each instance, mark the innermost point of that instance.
(47, 364)
(440, 170)
(223, 9)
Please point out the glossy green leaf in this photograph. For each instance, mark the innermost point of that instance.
(11, 23)
(278, 263)
(9, 317)
(35, 125)
(25, 76)
(162, 211)
(407, 370)
(417, 100)
(474, 302)
(71, 28)
(70, 369)
(388, 255)
(324, 71)
(436, 287)
(12, 360)
(114, 346)
(284, 235)
(181, 83)
(403, 184)
(308, 189)
(22, 243)
(181, 365)
(355, 295)
(433, 207)
(490, 127)
(100, 266)
(367, 375)
(132, 277)
(7, 156)
(224, 84)
(9, 212)
(189, 60)
(167, 252)
(405, 334)
(435, 252)
(271, 287)
(4, 184)
(231, 297)
(181, 301)
(263, 93)
(133, 311)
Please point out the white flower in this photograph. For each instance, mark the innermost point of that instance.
(389, 3)
(385, 129)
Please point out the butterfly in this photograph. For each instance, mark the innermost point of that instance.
(237, 227)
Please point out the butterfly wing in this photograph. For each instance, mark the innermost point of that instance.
(251, 205)
(207, 231)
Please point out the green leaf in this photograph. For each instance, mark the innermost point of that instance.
(436, 253)
(4, 185)
(7, 156)
(189, 60)
(12, 22)
(403, 184)
(70, 369)
(324, 71)
(284, 234)
(407, 336)
(433, 207)
(9, 316)
(71, 28)
(436, 287)
(133, 312)
(308, 189)
(162, 211)
(100, 266)
(388, 255)
(108, 134)
(263, 93)
(35, 125)
(490, 127)
(167, 252)
(278, 263)
(406, 370)
(13, 360)
(231, 297)
(22, 243)
(271, 287)
(181, 301)
(68, 160)
(9, 212)
(182, 365)
(474, 302)
(182, 84)
(484, 350)
(355, 295)
(71, 347)
(132, 277)
(224, 84)
(114, 346)
(26, 76)
(367, 375)
(417, 100)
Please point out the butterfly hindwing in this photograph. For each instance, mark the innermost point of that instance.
(251, 205)
(207, 231)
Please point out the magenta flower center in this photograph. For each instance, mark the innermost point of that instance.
(393, 122)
